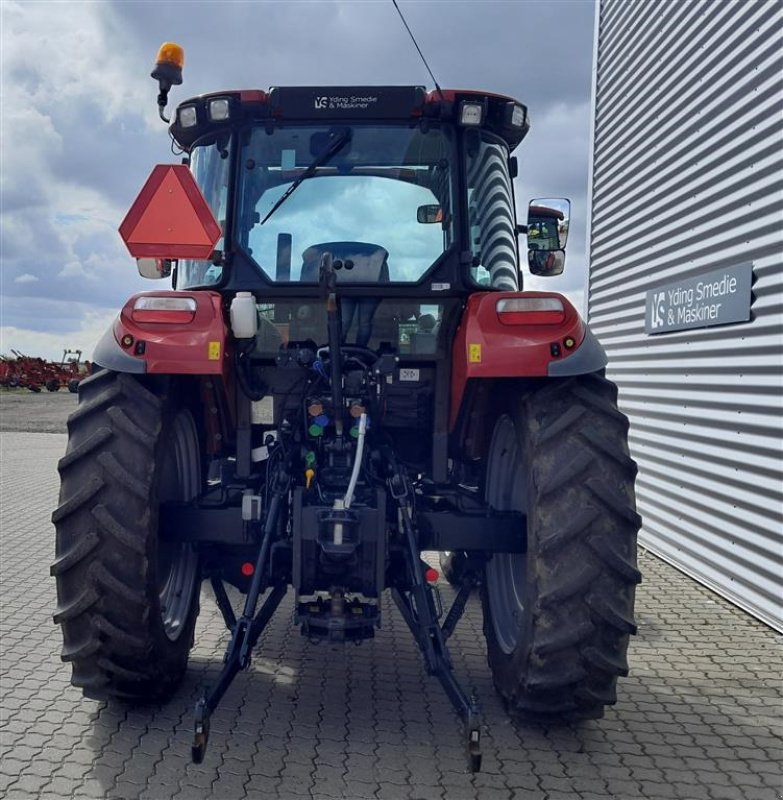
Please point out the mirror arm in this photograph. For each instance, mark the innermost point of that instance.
(521, 229)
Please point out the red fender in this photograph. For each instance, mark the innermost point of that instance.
(490, 344)
(168, 342)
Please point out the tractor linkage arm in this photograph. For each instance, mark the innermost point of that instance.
(417, 604)
(246, 630)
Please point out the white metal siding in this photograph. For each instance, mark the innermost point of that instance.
(687, 177)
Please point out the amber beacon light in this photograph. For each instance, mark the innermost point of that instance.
(168, 72)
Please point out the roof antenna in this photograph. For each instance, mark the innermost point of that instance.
(413, 38)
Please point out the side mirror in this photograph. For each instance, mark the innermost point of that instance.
(154, 267)
(546, 262)
(429, 214)
(547, 223)
(547, 233)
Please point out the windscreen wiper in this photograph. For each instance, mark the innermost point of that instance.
(338, 140)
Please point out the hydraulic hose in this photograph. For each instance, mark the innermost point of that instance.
(357, 462)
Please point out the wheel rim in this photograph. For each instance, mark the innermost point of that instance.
(506, 573)
(180, 481)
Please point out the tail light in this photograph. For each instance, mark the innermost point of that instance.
(169, 310)
(530, 310)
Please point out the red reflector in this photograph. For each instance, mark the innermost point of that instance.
(431, 575)
(247, 569)
(531, 317)
(161, 315)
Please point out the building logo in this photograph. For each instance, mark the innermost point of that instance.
(321, 102)
(657, 310)
(718, 297)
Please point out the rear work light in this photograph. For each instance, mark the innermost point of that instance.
(530, 310)
(188, 116)
(470, 114)
(168, 310)
(219, 109)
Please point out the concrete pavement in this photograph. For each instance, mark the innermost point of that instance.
(698, 719)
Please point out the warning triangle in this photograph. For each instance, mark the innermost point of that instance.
(170, 218)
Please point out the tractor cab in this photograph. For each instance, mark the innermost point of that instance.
(427, 177)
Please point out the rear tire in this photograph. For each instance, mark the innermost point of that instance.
(53, 385)
(73, 385)
(557, 619)
(127, 602)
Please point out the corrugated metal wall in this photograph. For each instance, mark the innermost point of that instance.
(687, 176)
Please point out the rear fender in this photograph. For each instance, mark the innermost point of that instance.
(195, 347)
(534, 345)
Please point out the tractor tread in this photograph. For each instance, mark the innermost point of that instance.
(590, 392)
(114, 528)
(113, 668)
(121, 640)
(78, 551)
(572, 529)
(603, 660)
(124, 424)
(573, 583)
(561, 639)
(72, 652)
(545, 678)
(601, 443)
(606, 550)
(606, 611)
(101, 573)
(123, 476)
(577, 466)
(570, 417)
(590, 696)
(80, 498)
(582, 526)
(91, 685)
(89, 408)
(93, 442)
(87, 598)
(612, 501)
(106, 560)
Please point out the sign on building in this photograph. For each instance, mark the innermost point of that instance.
(719, 297)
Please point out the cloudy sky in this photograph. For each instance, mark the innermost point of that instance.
(80, 133)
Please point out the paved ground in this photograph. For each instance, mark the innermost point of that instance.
(699, 718)
(42, 412)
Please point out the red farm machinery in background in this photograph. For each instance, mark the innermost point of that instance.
(29, 372)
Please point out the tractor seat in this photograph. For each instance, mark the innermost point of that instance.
(369, 262)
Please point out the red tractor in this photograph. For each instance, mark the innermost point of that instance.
(345, 374)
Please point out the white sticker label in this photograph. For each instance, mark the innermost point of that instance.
(407, 374)
(264, 411)
(440, 287)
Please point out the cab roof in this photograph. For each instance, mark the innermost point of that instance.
(500, 114)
